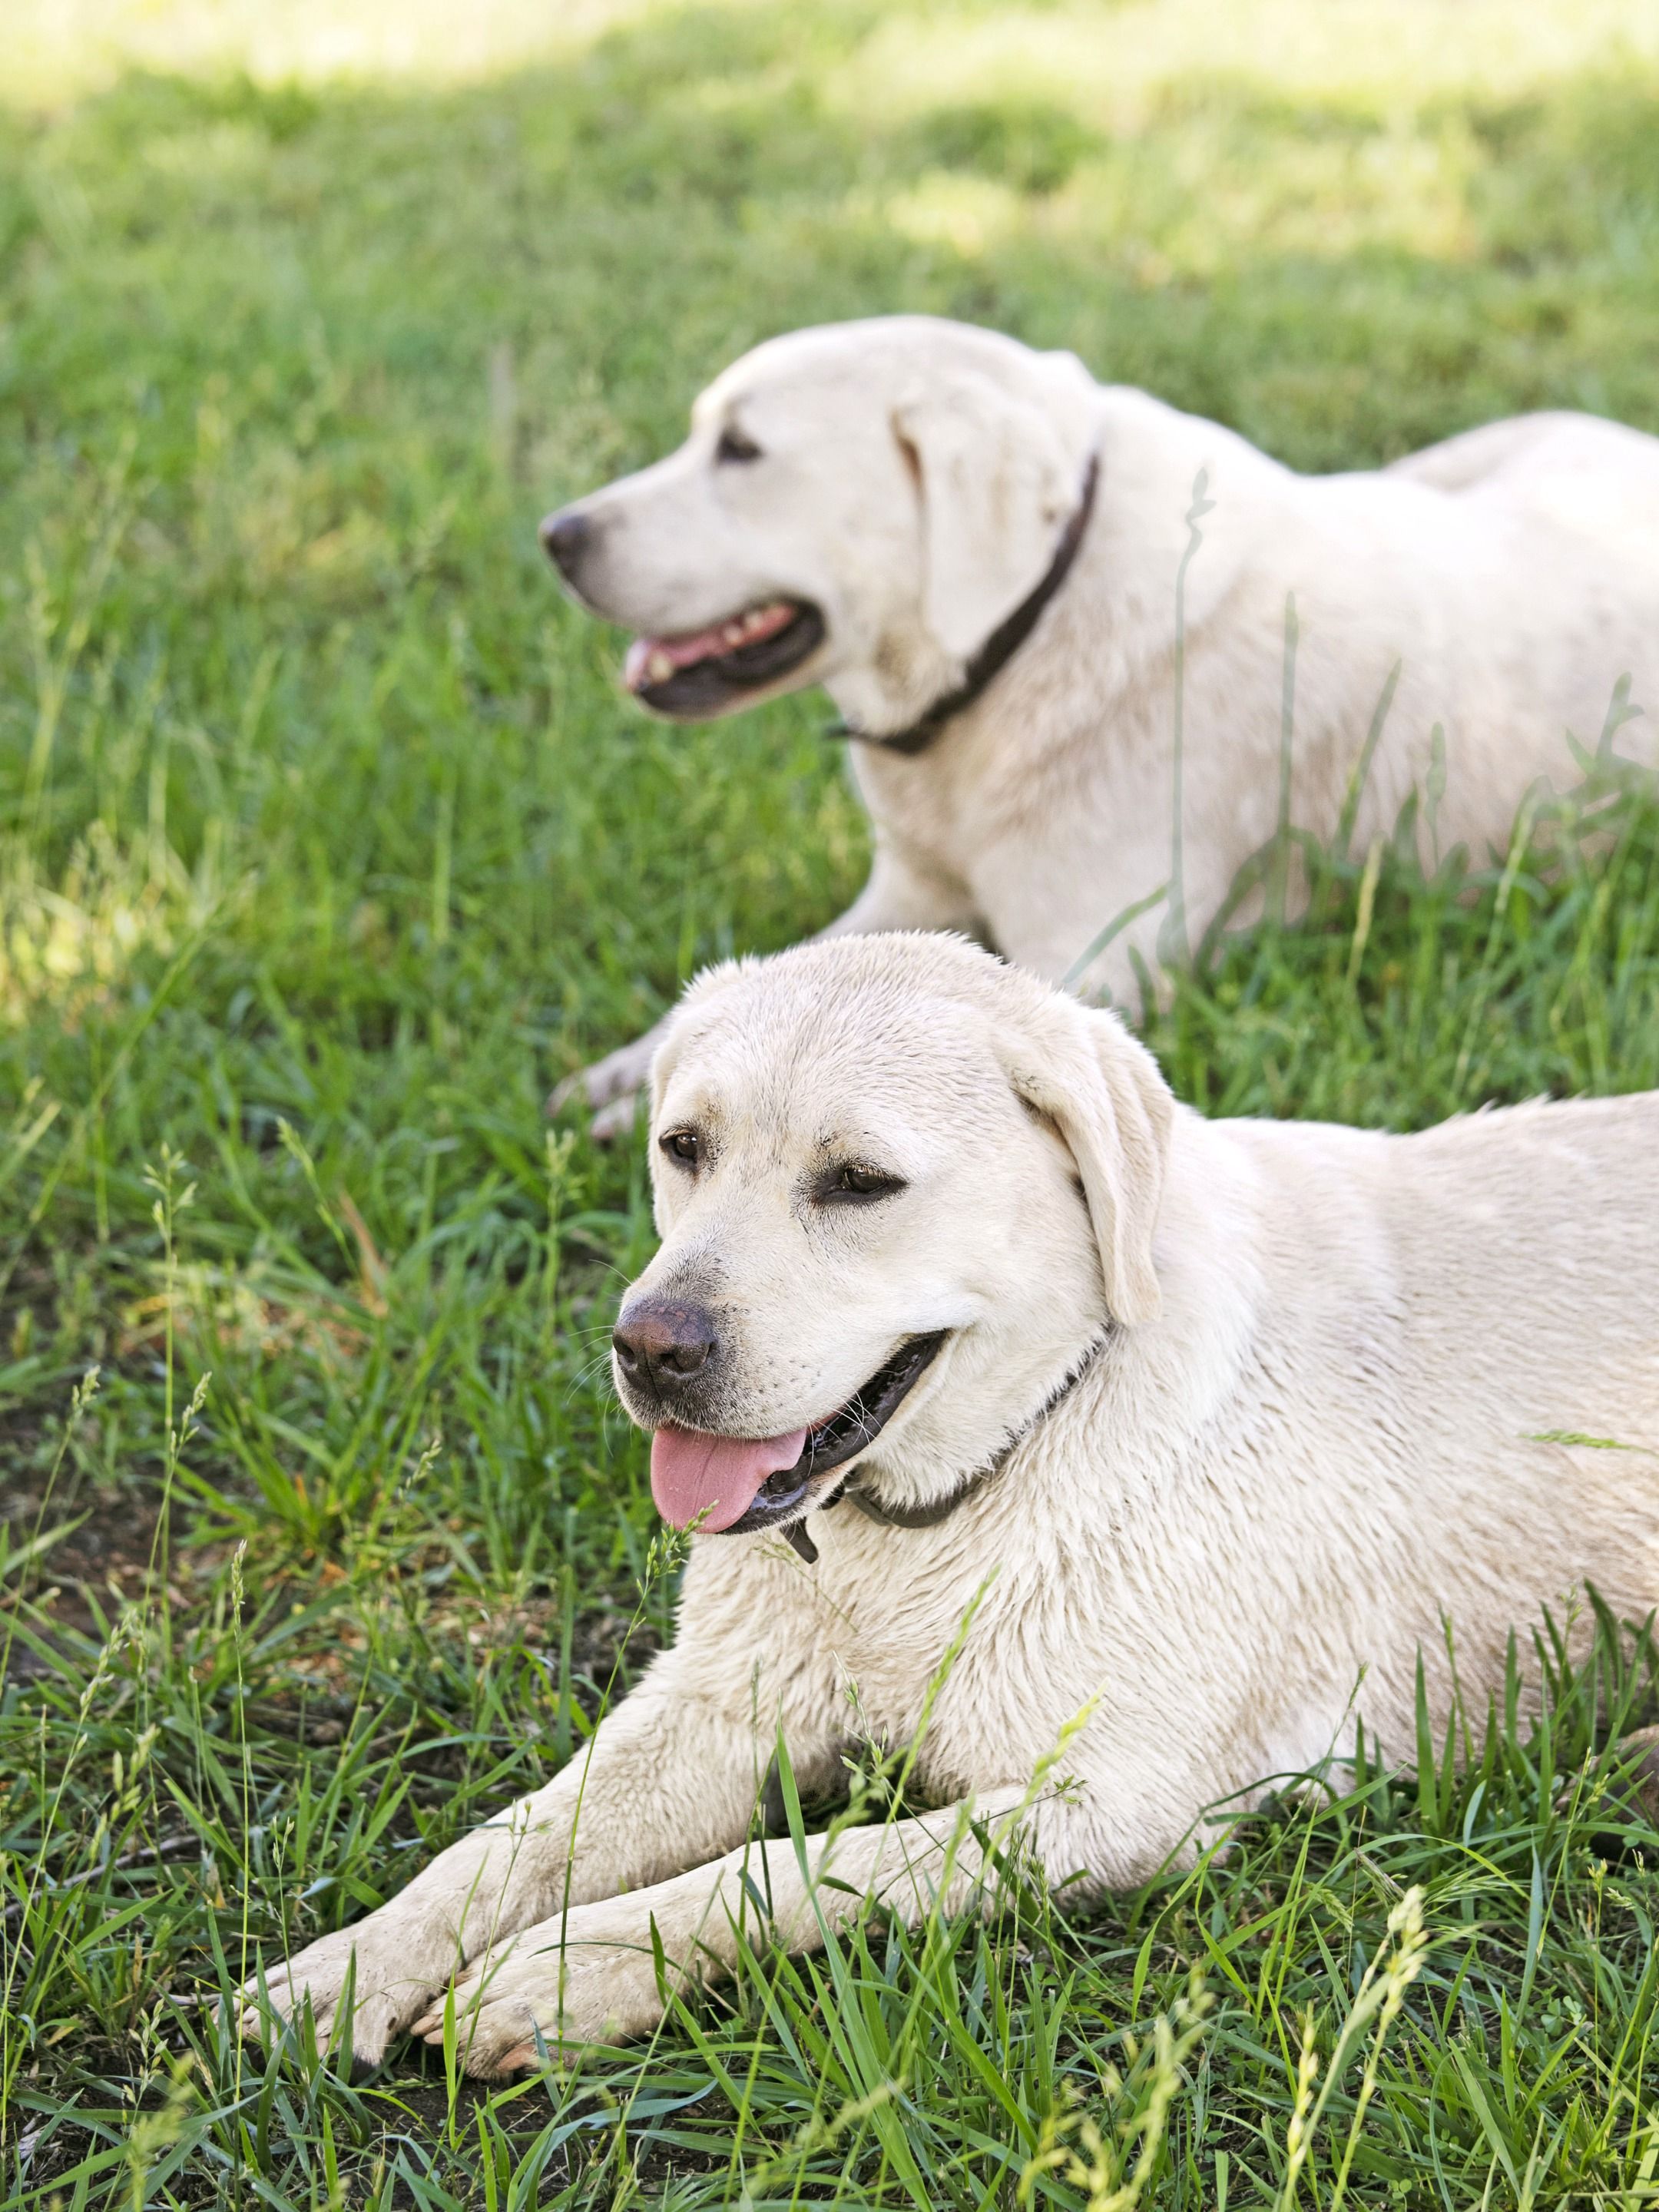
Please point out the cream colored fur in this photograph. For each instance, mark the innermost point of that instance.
(914, 479)
(1316, 1427)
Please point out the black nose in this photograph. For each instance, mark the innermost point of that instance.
(662, 1344)
(565, 538)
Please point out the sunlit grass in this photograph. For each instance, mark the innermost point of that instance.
(1116, 65)
(59, 49)
(1108, 62)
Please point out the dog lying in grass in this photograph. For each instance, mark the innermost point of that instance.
(1122, 1458)
(976, 548)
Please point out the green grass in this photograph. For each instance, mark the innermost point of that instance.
(327, 844)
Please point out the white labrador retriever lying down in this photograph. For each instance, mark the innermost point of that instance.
(975, 547)
(1201, 1427)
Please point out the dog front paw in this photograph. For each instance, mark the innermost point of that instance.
(393, 1975)
(610, 1088)
(587, 1978)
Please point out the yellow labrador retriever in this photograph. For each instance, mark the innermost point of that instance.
(1201, 1429)
(975, 547)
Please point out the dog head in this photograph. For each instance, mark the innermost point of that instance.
(858, 506)
(901, 1190)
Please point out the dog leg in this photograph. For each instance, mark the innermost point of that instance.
(611, 1086)
(905, 892)
(898, 896)
(667, 1780)
(591, 1974)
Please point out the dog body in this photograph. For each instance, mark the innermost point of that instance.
(890, 492)
(1208, 1429)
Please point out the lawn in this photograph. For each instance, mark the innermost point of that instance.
(327, 843)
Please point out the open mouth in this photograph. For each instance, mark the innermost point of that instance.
(734, 1485)
(701, 671)
(843, 1435)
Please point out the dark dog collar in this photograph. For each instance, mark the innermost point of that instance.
(941, 1508)
(999, 650)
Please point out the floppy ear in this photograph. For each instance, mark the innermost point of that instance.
(996, 490)
(1083, 1072)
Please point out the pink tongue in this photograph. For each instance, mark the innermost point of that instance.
(654, 659)
(715, 1476)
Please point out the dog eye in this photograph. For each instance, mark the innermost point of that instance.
(681, 1144)
(856, 1181)
(734, 447)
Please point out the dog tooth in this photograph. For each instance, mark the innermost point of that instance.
(735, 632)
(660, 667)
